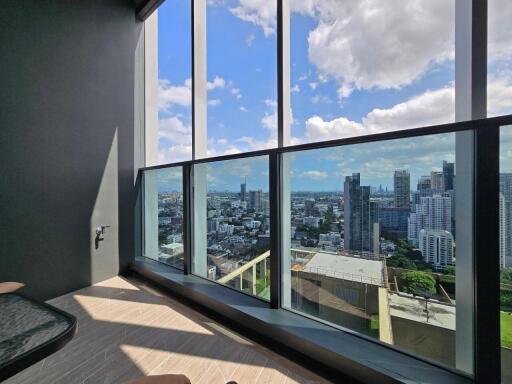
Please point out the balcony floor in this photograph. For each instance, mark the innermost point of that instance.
(127, 329)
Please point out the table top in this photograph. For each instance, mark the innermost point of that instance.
(30, 331)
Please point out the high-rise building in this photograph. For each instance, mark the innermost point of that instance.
(506, 192)
(309, 207)
(393, 222)
(402, 188)
(256, 199)
(243, 189)
(433, 213)
(360, 215)
(412, 228)
(448, 175)
(436, 246)
(436, 181)
(436, 213)
(424, 186)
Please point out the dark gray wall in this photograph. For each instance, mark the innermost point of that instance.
(67, 102)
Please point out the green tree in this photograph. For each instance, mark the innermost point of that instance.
(418, 283)
(450, 270)
(506, 275)
(401, 262)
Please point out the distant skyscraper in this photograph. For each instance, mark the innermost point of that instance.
(309, 207)
(412, 228)
(393, 222)
(436, 181)
(360, 215)
(436, 247)
(243, 189)
(436, 213)
(448, 175)
(402, 187)
(433, 213)
(424, 186)
(256, 199)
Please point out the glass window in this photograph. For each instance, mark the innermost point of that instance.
(505, 217)
(499, 76)
(232, 224)
(163, 215)
(241, 75)
(174, 82)
(362, 67)
(369, 241)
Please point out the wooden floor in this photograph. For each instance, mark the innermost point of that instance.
(127, 330)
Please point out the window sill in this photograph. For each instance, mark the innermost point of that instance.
(329, 351)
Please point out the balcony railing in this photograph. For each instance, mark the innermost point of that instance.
(330, 254)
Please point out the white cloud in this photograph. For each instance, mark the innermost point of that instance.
(500, 33)
(250, 39)
(324, 99)
(499, 94)
(243, 109)
(367, 44)
(236, 92)
(214, 102)
(314, 175)
(269, 121)
(261, 13)
(318, 129)
(295, 89)
(174, 154)
(405, 40)
(174, 130)
(271, 103)
(313, 85)
(253, 144)
(428, 108)
(169, 94)
(218, 82)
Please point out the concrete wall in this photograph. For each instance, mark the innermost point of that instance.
(343, 302)
(425, 340)
(69, 120)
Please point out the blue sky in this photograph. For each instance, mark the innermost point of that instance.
(357, 67)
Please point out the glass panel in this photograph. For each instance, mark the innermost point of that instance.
(499, 68)
(505, 207)
(163, 215)
(362, 67)
(174, 82)
(232, 224)
(242, 75)
(369, 241)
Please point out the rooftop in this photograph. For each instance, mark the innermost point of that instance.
(346, 267)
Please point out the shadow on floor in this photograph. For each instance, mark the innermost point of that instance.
(127, 329)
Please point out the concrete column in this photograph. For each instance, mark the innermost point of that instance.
(199, 247)
(286, 232)
(470, 103)
(151, 89)
(151, 214)
(284, 134)
(199, 134)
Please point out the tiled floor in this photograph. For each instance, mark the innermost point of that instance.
(127, 329)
